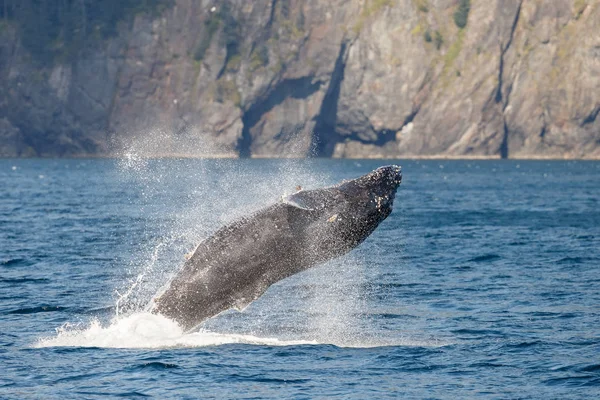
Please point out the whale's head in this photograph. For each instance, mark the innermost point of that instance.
(338, 218)
(372, 195)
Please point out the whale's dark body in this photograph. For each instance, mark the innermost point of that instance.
(240, 261)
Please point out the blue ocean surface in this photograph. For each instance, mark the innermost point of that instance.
(484, 282)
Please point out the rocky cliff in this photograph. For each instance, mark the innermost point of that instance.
(356, 78)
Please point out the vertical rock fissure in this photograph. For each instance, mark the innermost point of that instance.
(503, 50)
(543, 132)
(245, 141)
(499, 97)
(326, 120)
(500, 72)
(271, 15)
(504, 144)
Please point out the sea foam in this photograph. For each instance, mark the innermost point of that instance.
(146, 330)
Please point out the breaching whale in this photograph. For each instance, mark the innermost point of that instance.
(237, 264)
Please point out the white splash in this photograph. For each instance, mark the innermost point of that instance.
(145, 330)
(150, 331)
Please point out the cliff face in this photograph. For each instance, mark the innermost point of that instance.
(364, 78)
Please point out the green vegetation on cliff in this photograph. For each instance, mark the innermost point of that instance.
(461, 15)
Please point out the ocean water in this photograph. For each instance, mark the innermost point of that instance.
(483, 283)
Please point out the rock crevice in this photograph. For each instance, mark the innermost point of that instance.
(499, 97)
(325, 135)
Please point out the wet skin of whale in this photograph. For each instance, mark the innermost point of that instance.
(240, 261)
